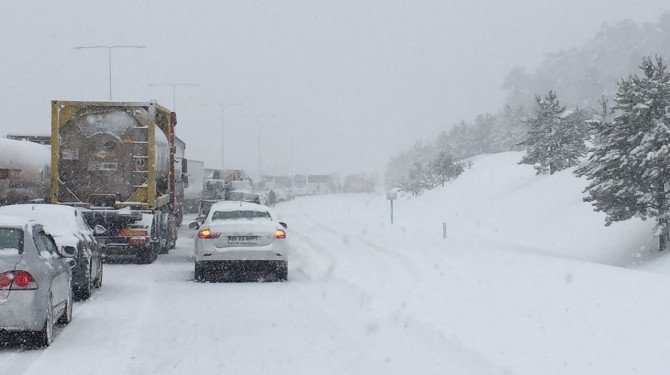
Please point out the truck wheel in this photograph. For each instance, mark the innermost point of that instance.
(98, 281)
(164, 246)
(148, 255)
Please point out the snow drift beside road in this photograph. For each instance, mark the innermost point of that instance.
(501, 284)
(499, 204)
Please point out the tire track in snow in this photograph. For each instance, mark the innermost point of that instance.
(316, 247)
(400, 259)
(387, 324)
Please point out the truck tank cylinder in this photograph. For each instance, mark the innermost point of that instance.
(105, 154)
(24, 171)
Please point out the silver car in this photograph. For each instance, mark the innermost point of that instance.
(240, 241)
(35, 280)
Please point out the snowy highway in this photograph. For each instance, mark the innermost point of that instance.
(363, 297)
(156, 319)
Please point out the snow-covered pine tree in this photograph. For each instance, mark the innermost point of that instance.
(418, 180)
(458, 140)
(398, 167)
(555, 139)
(601, 117)
(444, 167)
(629, 167)
(483, 134)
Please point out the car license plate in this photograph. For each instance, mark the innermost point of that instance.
(242, 240)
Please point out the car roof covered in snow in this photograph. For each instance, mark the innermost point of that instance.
(58, 219)
(238, 205)
(11, 221)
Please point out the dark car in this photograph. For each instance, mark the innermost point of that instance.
(68, 227)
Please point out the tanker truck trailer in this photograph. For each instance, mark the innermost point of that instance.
(118, 160)
(24, 171)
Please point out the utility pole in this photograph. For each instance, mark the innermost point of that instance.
(221, 107)
(174, 90)
(109, 59)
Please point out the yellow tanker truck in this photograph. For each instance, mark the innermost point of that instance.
(117, 159)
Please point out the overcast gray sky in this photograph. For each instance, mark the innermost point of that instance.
(350, 82)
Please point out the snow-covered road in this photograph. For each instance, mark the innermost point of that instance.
(365, 297)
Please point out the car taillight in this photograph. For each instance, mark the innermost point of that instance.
(206, 233)
(280, 234)
(17, 280)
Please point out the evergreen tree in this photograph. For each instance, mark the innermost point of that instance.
(601, 118)
(444, 167)
(630, 163)
(399, 166)
(418, 180)
(482, 135)
(555, 138)
(459, 142)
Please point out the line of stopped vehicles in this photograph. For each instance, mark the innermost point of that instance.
(109, 184)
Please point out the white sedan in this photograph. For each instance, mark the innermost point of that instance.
(240, 241)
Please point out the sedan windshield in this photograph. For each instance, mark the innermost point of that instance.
(11, 241)
(235, 215)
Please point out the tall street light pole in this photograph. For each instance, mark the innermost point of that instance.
(174, 90)
(109, 59)
(221, 107)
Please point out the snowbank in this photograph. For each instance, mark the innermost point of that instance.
(499, 204)
(516, 287)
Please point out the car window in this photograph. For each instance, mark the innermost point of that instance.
(240, 214)
(11, 241)
(83, 223)
(51, 245)
(40, 243)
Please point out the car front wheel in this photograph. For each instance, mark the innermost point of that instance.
(67, 314)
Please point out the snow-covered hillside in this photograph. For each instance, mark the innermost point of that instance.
(499, 204)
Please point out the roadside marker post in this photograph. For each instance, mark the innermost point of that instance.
(391, 196)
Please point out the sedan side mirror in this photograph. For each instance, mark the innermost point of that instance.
(71, 262)
(68, 251)
(194, 225)
(99, 229)
(283, 225)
